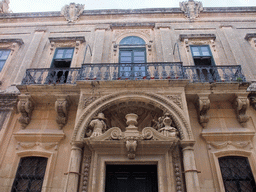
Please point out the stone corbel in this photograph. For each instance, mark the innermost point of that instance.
(241, 104)
(203, 106)
(25, 107)
(61, 107)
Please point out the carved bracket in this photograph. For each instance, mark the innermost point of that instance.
(61, 107)
(241, 104)
(25, 107)
(131, 146)
(203, 106)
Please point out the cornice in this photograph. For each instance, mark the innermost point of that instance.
(131, 11)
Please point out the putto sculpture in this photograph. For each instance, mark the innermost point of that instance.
(4, 6)
(72, 12)
(191, 8)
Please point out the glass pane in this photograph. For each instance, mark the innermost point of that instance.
(139, 60)
(205, 51)
(4, 54)
(132, 40)
(126, 60)
(68, 53)
(141, 53)
(1, 65)
(195, 51)
(126, 53)
(59, 53)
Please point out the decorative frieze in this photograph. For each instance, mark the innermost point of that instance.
(203, 106)
(72, 12)
(191, 8)
(176, 99)
(61, 107)
(86, 171)
(224, 144)
(241, 105)
(25, 107)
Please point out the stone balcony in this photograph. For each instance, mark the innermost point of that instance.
(141, 71)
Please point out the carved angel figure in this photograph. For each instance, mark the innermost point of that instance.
(191, 8)
(72, 12)
(98, 125)
(4, 6)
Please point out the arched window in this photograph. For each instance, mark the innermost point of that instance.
(237, 174)
(30, 174)
(132, 58)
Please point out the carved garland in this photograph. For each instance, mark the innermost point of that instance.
(153, 96)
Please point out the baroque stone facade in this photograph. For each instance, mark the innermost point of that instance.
(84, 90)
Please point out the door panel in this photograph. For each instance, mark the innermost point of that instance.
(131, 178)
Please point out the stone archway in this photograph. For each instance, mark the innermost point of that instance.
(160, 102)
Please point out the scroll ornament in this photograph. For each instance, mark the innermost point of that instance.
(25, 107)
(61, 107)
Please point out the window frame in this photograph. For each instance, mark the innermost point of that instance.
(62, 59)
(32, 177)
(235, 178)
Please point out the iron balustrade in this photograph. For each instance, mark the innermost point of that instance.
(227, 73)
(138, 71)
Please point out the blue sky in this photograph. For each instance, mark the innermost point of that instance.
(18, 6)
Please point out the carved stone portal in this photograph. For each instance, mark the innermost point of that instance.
(25, 107)
(72, 12)
(191, 8)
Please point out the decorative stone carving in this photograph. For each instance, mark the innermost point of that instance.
(191, 8)
(176, 99)
(236, 144)
(131, 146)
(7, 102)
(203, 106)
(87, 162)
(176, 158)
(168, 130)
(89, 100)
(25, 107)
(252, 98)
(61, 107)
(4, 6)
(241, 105)
(72, 12)
(164, 126)
(98, 125)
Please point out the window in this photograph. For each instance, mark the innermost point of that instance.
(3, 57)
(237, 175)
(202, 55)
(204, 63)
(30, 175)
(60, 64)
(132, 58)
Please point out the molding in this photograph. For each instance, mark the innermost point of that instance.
(249, 36)
(201, 36)
(8, 102)
(63, 39)
(127, 25)
(25, 107)
(203, 106)
(19, 41)
(228, 136)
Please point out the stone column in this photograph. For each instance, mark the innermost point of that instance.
(74, 167)
(191, 177)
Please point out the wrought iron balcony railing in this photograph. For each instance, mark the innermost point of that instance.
(128, 71)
